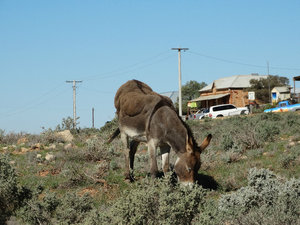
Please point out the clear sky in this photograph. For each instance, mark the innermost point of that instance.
(106, 43)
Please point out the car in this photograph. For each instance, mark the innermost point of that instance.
(284, 106)
(200, 114)
(226, 110)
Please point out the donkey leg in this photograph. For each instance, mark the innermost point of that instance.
(133, 148)
(125, 141)
(165, 154)
(152, 153)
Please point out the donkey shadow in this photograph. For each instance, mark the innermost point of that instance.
(206, 181)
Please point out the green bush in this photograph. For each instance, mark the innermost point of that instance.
(157, 202)
(266, 200)
(12, 194)
(39, 210)
(74, 209)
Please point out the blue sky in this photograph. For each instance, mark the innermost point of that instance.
(106, 43)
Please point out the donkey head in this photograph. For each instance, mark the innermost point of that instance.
(188, 163)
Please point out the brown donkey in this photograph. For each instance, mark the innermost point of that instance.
(145, 116)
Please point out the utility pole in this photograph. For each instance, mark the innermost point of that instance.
(270, 99)
(179, 77)
(74, 99)
(93, 119)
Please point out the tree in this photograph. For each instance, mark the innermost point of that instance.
(261, 87)
(190, 91)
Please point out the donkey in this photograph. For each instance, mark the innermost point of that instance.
(146, 116)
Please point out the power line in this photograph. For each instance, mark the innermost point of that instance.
(240, 63)
(34, 103)
(127, 69)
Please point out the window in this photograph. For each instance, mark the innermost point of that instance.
(223, 107)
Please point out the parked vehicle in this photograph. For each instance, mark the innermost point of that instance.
(284, 106)
(200, 114)
(226, 110)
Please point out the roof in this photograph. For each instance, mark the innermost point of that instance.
(297, 78)
(282, 89)
(173, 95)
(209, 97)
(237, 81)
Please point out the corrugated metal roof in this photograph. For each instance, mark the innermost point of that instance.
(173, 95)
(209, 97)
(282, 89)
(237, 81)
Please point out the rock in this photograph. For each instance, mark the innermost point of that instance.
(268, 154)
(36, 146)
(53, 146)
(24, 150)
(49, 157)
(291, 144)
(244, 157)
(68, 146)
(22, 141)
(4, 148)
(38, 156)
(65, 135)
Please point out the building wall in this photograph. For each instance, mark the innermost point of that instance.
(238, 97)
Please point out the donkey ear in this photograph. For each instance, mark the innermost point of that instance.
(206, 142)
(189, 144)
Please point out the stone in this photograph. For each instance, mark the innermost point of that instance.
(22, 141)
(24, 150)
(291, 144)
(36, 146)
(68, 146)
(49, 157)
(65, 135)
(53, 146)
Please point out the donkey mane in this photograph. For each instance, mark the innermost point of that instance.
(190, 133)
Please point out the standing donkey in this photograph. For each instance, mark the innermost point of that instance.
(145, 116)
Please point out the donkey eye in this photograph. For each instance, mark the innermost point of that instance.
(189, 169)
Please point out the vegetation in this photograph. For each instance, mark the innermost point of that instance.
(262, 86)
(249, 175)
(190, 91)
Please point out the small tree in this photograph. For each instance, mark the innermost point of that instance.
(190, 91)
(261, 87)
(67, 124)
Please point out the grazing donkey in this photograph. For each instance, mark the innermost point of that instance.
(145, 116)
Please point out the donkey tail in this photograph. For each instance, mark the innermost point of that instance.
(206, 142)
(113, 136)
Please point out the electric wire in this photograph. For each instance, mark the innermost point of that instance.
(35, 103)
(131, 68)
(239, 63)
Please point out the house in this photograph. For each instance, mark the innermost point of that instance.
(296, 94)
(281, 93)
(227, 90)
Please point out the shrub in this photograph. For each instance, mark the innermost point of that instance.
(74, 209)
(12, 194)
(39, 210)
(266, 200)
(50, 209)
(8, 188)
(157, 202)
